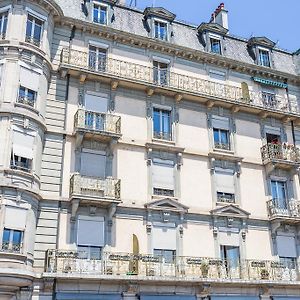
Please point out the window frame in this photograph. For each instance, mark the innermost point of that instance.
(98, 49)
(218, 40)
(2, 17)
(286, 194)
(100, 5)
(10, 247)
(35, 16)
(162, 256)
(26, 91)
(171, 134)
(82, 250)
(157, 72)
(260, 62)
(166, 25)
(227, 146)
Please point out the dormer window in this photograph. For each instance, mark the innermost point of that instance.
(264, 58)
(100, 13)
(215, 46)
(160, 30)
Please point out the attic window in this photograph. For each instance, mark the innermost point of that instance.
(215, 46)
(160, 30)
(100, 14)
(264, 58)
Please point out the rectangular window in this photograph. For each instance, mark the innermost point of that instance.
(27, 96)
(161, 30)
(92, 164)
(3, 24)
(12, 240)
(100, 14)
(215, 46)
(269, 99)
(221, 132)
(163, 181)
(231, 259)
(165, 256)
(279, 194)
(162, 128)
(22, 150)
(160, 73)
(97, 59)
(90, 237)
(34, 28)
(264, 58)
(225, 186)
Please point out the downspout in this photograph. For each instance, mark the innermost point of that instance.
(62, 166)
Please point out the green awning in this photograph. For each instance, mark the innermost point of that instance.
(270, 82)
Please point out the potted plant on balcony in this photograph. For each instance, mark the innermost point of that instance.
(204, 269)
(264, 274)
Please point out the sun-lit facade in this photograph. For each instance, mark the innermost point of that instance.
(145, 158)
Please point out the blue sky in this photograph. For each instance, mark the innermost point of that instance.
(279, 20)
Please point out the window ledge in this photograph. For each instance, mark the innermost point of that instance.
(164, 145)
(227, 155)
(27, 107)
(158, 197)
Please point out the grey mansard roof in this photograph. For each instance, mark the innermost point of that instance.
(131, 20)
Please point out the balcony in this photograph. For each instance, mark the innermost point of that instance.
(122, 265)
(97, 125)
(76, 62)
(11, 248)
(285, 210)
(95, 190)
(280, 155)
(33, 41)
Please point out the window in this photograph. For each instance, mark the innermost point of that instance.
(97, 59)
(162, 124)
(224, 179)
(264, 58)
(231, 257)
(215, 46)
(27, 96)
(34, 30)
(160, 73)
(160, 30)
(90, 237)
(165, 256)
(287, 251)
(93, 163)
(221, 132)
(163, 181)
(269, 98)
(272, 138)
(279, 194)
(221, 139)
(100, 14)
(22, 150)
(12, 240)
(3, 24)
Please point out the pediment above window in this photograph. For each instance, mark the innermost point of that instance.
(230, 211)
(159, 12)
(212, 27)
(261, 41)
(167, 204)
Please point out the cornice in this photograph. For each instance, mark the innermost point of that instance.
(49, 5)
(178, 51)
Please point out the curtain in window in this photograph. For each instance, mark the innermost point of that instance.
(90, 231)
(164, 237)
(29, 79)
(23, 141)
(163, 174)
(224, 179)
(15, 217)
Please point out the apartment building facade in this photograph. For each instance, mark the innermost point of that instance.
(145, 158)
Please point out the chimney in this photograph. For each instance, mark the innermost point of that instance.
(220, 16)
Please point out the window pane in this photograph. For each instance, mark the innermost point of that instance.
(216, 136)
(37, 32)
(6, 235)
(103, 15)
(224, 137)
(156, 29)
(29, 27)
(156, 121)
(95, 253)
(82, 252)
(169, 256)
(95, 14)
(166, 122)
(17, 237)
(3, 23)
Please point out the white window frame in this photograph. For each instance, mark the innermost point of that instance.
(99, 49)
(100, 5)
(26, 95)
(167, 29)
(158, 69)
(166, 108)
(10, 245)
(2, 14)
(258, 56)
(40, 17)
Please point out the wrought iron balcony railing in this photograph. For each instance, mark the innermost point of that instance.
(33, 41)
(97, 122)
(10, 247)
(284, 208)
(95, 187)
(280, 152)
(124, 264)
(26, 100)
(192, 84)
(225, 198)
